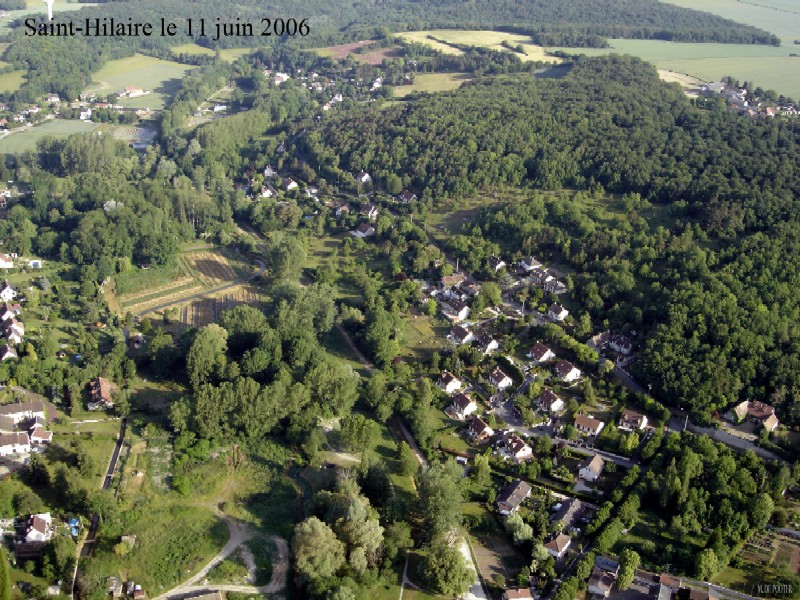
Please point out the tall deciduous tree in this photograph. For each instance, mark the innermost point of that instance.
(317, 552)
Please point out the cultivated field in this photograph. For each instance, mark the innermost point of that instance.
(131, 133)
(196, 272)
(441, 39)
(376, 57)
(770, 67)
(24, 139)
(203, 312)
(148, 73)
(342, 50)
(432, 82)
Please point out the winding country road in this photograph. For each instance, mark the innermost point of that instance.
(239, 534)
(205, 293)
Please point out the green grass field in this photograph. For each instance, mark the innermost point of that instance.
(36, 7)
(161, 76)
(227, 54)
(11, 82)
(770, 67)
(781, 17)
(432, 82)
(484, 39)
(25, 139)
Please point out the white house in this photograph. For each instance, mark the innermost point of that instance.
(6, 262)
(512, 496)
(499, 379)
(290, 184)
(449, 382)
(540, 353)
(85, 115)
(588, 424)
(566, 371)
(515, 448)
(488, 344)
(457, 309)
(556, 312)
(38, 435)
(631, 420)
(364, 177)
(7, 352)
(23, 411)
(39, 528)
(463, 406)
(370, 211)
(14, 443)
(7, 293)
(496, 263)
(461, 335)
(591, 468)
(406, 197)
(363, 230)
(529, 263)
(558, 545)
(550, 402)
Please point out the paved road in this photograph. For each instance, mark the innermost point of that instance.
(412, 442)
(215, 290)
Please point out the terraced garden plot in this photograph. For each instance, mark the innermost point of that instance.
(208, 310)
(210, 268)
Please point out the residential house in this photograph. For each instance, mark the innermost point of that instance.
(267, 191)
(591, 468)
(85, 114)
(478, 430)
(368, 211)
(600, 583)
(566, 371)
(558, 545)
(269, 172)
(40, 528)
(515, 448)
(6, 262)
(289, 184)
(463, 406)
(363, 230)
(456, 309)
(38, 435)
(23, 411)
(52, 99)
(219, 108)
(114, 587)
(487, 344)
(7, 352)
(620, 343)
(550, 402)
(518, 593)
(496, 264)
(588, 424)
(14, 443)
(340, 209)
(499, 379)
(363, 177)
(511, 497)
(632, 421)
(101, 391)
(756, 412)
(7, 293)
(461, 335)
(406, 197)
(13, 331)
(556, 312)
(607, 564)
(540, 353)
(539, 276)
(449, 382)
(529, 263)
(451, 281)
(554, 286)
(470, 288)
(568, 513)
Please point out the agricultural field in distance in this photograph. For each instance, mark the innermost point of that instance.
(781, 17)
(770, 67)
(432, 82)
(196, 273)
(342, 50)
(25, 138)
(202, 312)
(34, 7)
(227, 54)
(161, 76)
(441, 39)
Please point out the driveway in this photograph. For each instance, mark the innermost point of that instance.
(476, 592)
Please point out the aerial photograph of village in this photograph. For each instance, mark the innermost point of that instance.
(400, 300)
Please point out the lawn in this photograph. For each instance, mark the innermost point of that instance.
(770, 67)
(163, 77)
(432, 82)
(12, 81)
(781, 17)
(227, 54)
(440, 39)
(24, 139)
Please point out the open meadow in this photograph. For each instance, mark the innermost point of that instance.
(770, 67)
(24, 139)
(227, 54)
(441, 39)
(11, 81)
(432, 82)
(148, 73)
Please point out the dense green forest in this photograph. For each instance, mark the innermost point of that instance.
(706, 277)
(64, 64)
